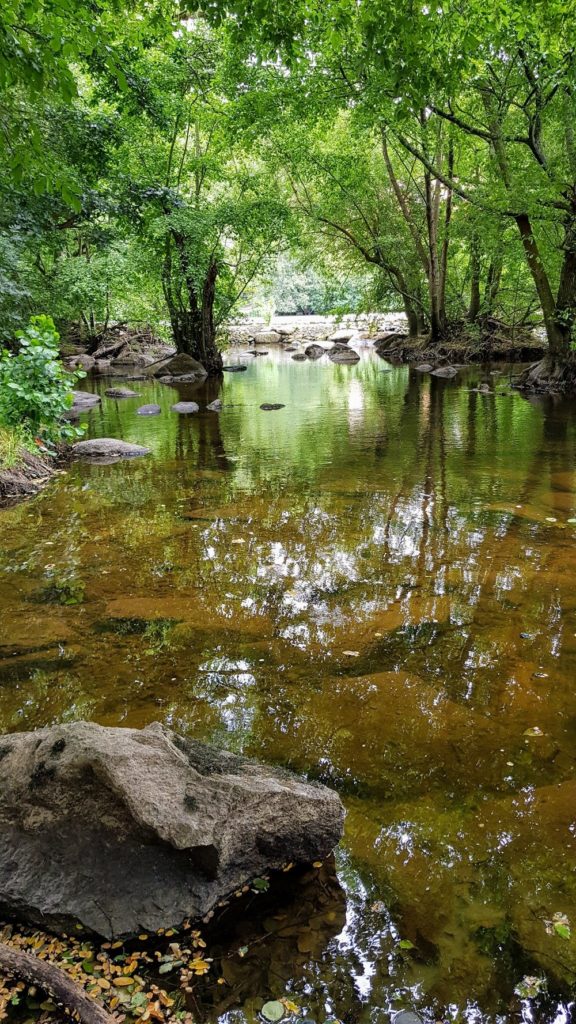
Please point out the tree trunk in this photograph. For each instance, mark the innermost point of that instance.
(492, 285)
(557, 334)
(474, 307)
(192, 320)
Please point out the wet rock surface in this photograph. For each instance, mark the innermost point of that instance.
(178, 366)
(342, 354)
(314, 351)
(120, 830)
(107, 448)
(149, 410)
(185, 408)
(121, 393)
(84, 400)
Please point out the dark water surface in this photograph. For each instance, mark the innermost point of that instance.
(375, 586)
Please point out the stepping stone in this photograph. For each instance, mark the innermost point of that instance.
(149, 410)
(185, 408)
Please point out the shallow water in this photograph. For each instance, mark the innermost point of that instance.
(376, 586)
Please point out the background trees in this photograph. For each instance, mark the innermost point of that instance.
(157, 164)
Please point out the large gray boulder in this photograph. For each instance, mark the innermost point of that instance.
(124, 830)
(108, 448)
(179, 365)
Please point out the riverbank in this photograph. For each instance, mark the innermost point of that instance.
(22, 473)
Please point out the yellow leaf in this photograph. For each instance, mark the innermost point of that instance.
(317, 864)
(123, 981)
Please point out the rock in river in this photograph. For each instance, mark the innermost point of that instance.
(149, 410)
(343, 354)
(107, 448)
(314, 351)
(180, 365)
(215, 406)
(271, 406)
(185, 408)
(121, 393)
(83, 400)
(124, 830)
(445, 371)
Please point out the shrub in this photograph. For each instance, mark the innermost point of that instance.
(35, 389)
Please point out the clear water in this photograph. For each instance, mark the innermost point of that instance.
(375, 586)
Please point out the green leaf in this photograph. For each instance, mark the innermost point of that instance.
(273, 1011)
(561, 929)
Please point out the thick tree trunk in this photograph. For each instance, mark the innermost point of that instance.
(557, 333)
(192, 320)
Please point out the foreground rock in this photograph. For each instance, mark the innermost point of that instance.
(108, 448)
(121, 830)
(179, 365)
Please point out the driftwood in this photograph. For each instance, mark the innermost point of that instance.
(54, 980)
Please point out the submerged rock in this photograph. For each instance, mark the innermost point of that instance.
(180, 365)
(444, 371)
(121, 393)
(121, 830)
(185, 408)
(149, 410)
(270, 406)
(108, 448)
(215, 406)
(424, 368)
(300, 357)
(234, 369)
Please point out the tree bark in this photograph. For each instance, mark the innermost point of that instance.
(54, 980)
(474, 307)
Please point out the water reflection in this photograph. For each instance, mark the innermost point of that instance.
(373, 585)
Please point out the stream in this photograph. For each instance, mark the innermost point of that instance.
(374, 586)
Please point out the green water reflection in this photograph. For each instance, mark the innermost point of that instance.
(375, 586)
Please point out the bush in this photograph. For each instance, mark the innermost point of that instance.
(35, 389)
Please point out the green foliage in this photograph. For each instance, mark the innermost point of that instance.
(35, 389)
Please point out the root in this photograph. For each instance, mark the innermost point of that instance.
(55, 981)
(550, 374)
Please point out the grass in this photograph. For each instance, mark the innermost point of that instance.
(13, 444)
